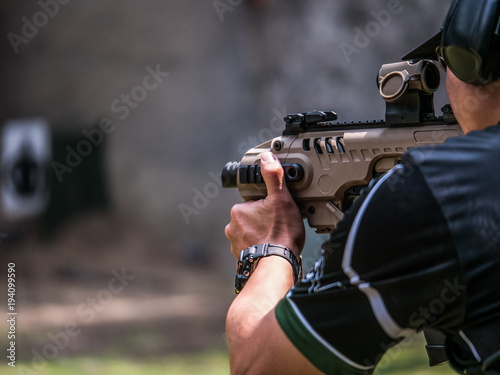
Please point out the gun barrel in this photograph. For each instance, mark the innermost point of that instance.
(229, 176)
(250, 174)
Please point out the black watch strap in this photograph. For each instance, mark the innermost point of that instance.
(248, 259)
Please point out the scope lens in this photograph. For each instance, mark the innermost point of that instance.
(393, 86)
(464, 63)
(431, 77)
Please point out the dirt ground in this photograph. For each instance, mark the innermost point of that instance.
(105, 286)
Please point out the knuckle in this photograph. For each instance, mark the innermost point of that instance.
(235, 211)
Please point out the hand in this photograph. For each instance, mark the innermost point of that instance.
(275, 219)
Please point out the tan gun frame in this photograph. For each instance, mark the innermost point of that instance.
(338, 160)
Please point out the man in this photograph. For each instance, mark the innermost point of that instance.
(420, 248)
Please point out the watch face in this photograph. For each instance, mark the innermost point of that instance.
(239, 283)
(244, 269)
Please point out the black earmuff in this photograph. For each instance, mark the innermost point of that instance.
(470, 41)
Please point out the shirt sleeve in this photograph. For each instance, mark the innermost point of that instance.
(388, 271)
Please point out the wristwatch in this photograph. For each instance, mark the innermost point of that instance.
(248, 259)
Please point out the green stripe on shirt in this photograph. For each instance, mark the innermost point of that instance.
(309, 346)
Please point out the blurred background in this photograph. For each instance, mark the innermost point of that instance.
(116, 119)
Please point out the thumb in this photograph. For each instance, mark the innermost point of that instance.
(273, 174)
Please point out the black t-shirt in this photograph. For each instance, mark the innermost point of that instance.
(420, 248)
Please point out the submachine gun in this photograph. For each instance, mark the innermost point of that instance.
(327, 163)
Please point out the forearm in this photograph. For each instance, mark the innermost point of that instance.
(252, 331)
(266, 287)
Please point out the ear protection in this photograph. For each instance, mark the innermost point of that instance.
(470, 41)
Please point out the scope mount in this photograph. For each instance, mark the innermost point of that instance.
(408, 90)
